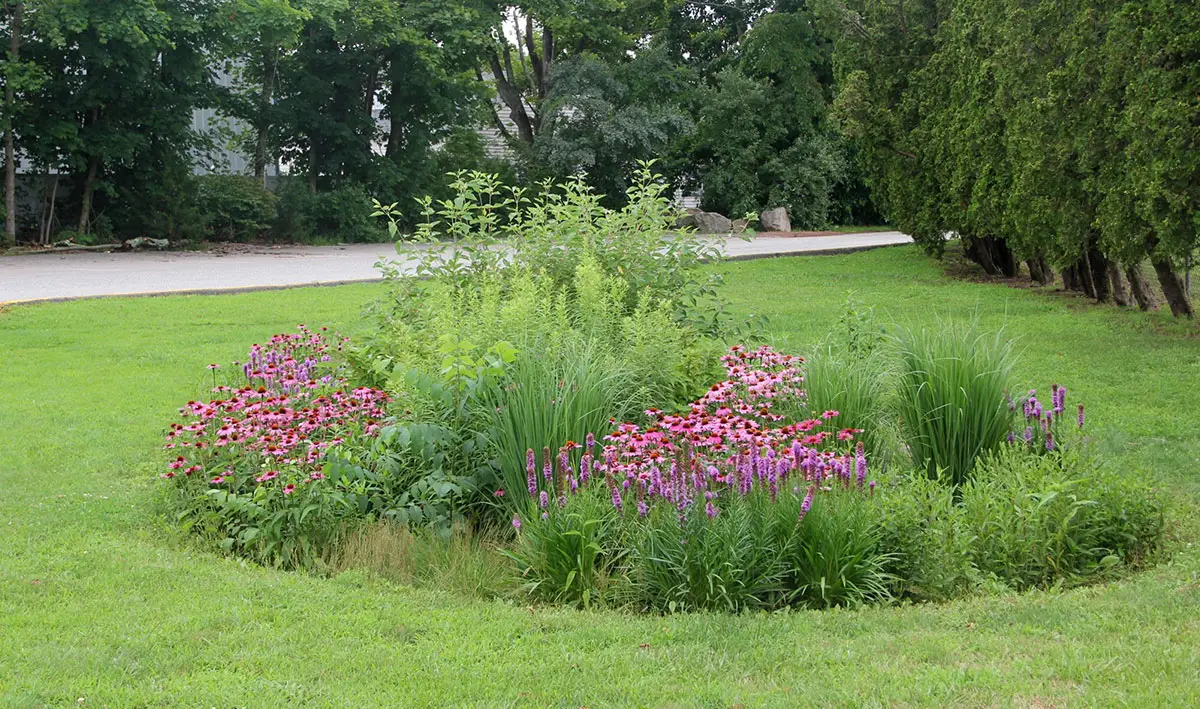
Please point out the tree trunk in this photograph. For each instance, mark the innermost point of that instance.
(977, 250)
(1120, 295)
(263, 124)
(89, 188)
(1173, 290)
(1003, 257)
(10, 149)
(512, 98)
(1039, 271)
(1141, 289)
(1097, 266)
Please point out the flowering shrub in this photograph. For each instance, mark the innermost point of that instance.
(713, 502)
(250, 468)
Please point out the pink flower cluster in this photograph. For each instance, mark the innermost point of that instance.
(725, 444)
(291, 361)
(284, 423)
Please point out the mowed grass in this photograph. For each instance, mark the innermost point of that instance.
(101, 604)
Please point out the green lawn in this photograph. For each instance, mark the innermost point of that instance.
(100, 603)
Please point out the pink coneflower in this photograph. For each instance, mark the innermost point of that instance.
(317, 476)
(269, 475)
(167, 476)
(498, 493)
(289, 489)
(829, 414)
(217, 480)
(214, 366)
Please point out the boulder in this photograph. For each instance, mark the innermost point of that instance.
(712, 223)
(738, 226)
(686, 220)
(775, 220)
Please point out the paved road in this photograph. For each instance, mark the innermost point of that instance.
(66, 276)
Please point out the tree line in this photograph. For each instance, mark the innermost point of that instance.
(379, 98)
(1061, 133)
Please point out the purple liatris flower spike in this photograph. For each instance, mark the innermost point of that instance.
(516, 523)
(860, 463)
(1029, 435)
(544, 500)
(531, 471)
(585, 467)
(1012, 436)
(589, 443)
(1080, 418)
(547, 464)
(806, 505)
(545, 516)
(1049, 440)
(711, 510)
(616, 497)
(872, 487)
(642, 508)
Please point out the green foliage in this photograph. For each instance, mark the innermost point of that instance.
(920, 529)
(754, 554)
(339, 215)
(954, 381)
(1061, 518)
(567, 556)
(234, 207)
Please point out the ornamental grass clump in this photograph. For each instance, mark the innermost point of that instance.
(713, 505)
(953, 397)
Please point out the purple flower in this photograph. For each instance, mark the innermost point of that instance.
(806, 505)
(589, 443)
(616, 497)
(1029, 435)
(516, 523)
(544, 500)
(531, 471)
(711, 510)
(860, 463)
(1049, 440)
(642, 509)
(872, 487)
(585, 467)
(1012, 436)
(547, 464)
(1080, 418)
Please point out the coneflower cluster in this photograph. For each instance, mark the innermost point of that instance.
(725, 445)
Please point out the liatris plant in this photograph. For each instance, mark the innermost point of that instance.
(1047, 429)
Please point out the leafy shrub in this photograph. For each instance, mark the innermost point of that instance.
(954, 384)
(921, 533)
(1037, 520)
(234, 207)
(341, 214)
